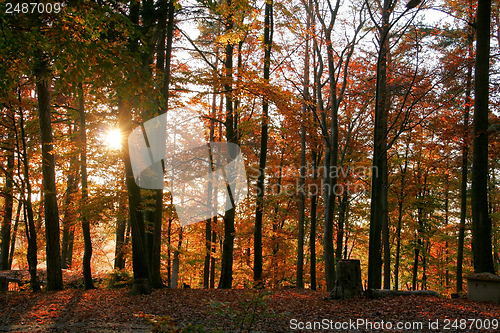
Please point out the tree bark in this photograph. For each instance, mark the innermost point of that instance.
(312, 236)
(348, 281)
(140, 260)
(208, 279)
(9, 199)
(14, 231)
(378, 209)
(226, 278)
(87, 254)
(401, 198)
(68, 222)
(421, 198)
(29, 222)
(481, 222)
(121, 223)
(175, 265)
(302, 175)
(53, 250)
(268, 40)
(465, 156)
(330, 175)
(343, 207)
(156, 280)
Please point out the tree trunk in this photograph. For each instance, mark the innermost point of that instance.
(29, 222)
(268, 39)
(226, 278)
(401, 198)
(415, 264)
(68, 222)
(446, 222)
(398, 243)
(121, 224)
(343, 206)
(420, 230)
(87, 254)
(175, 265)
(214, 250)
(330, 175)
(348, 282)
(481, 222)
(14, 231)
(53, 250)
(386, 246)
(156, 280)
(140, 260)
(312, 236)
(378, 209)
(302, 180)
(208, 251)
(465, 156)
(169, 256)
(209, 234)
(9, 199)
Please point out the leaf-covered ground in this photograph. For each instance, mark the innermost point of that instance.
(236, 310)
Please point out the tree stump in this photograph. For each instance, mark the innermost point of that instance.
(348, 280)
(141, 287)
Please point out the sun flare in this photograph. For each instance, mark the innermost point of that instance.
(113, 139)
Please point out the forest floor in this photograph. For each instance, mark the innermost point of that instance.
(286, 310)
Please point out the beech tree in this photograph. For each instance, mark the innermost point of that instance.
(268, 40)
(481, 221)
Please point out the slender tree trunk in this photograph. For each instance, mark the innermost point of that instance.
(401, 198)
(415, 264)
(156, 280)
(87, 254)
(378, 210)
(268, 39)
(312, 236)
(214, 250)
(121, 224)
(9, 199)
(175, 266)
(209, 244)
(31, 232)
(343, 206)
(226, 278)
(446, 222)
(424, 268)
(330, 136)
(68, 222)
(302, 179)
(398, 243)
(492, 209)
(465, 157)
(169, 255)
(208, 251)
(276, 228)
(53, 250)
(420, 230)
(481, 222)
(140, 258)
(8, 204)
(386, 245)
(331, 166)
(14, 231)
